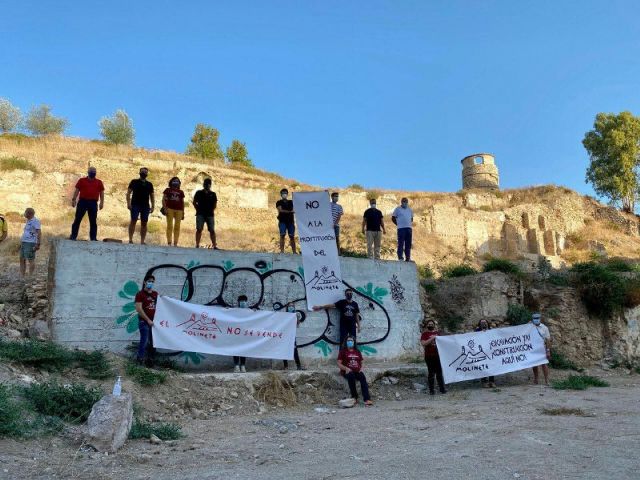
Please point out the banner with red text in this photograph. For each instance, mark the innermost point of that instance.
(223, 331)
(492, 352)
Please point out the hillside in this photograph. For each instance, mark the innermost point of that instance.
(450, 227)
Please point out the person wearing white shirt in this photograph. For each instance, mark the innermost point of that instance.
(336, 214)
(543, 331)
(402, 217)
(30, 241)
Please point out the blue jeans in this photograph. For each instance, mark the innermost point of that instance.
(90, 207)
(285, 228)
(404, 243)
(146, 340)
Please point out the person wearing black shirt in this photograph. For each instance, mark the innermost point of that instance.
(205, 202)
(285, 220)
(139, 193)
(372, 224)
(349, 314)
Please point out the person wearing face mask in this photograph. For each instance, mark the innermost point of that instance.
(145, 303)
(349, 314)
(139, 194)
(239, 362)
(373, 228)
(90, 190)
(350, 365)
(543, 331)
(336, 214)
(292, 309)
(489, 382)
(285, 220)
(30, 241)
(173, 208)
(431, 357)
(402, 217)
(205, 202)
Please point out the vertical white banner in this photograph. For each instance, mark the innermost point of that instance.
(322, 277)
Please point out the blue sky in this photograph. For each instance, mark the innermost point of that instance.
(387, 94)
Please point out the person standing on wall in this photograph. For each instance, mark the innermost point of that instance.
(91, 191)
(145, 303)
(205, 202)
(349, 314)
(402, 217)
(173, 208)
(432, 358)
(487, 382)
(139, 194)
(373, 228)
(238, 361)
(350, 365)
(4, 228)
(30, 242)
(336, 213)
(286, 223)
(543, 331)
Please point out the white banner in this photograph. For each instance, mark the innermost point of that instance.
(493, 352)
(223, 331)
(322, 276)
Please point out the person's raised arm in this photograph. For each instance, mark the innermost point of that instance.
(142, 314)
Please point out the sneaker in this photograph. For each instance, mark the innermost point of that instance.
(443, 390)
(236, 369)
(242, 369)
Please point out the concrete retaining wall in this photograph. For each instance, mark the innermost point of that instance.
(93, 284)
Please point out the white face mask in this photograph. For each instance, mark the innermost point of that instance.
(373, 205)
(334, 199)
(284, 195)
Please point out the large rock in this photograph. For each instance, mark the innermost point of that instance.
(110, 421)
(39, 329)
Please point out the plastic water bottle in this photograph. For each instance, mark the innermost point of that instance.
(117, 388)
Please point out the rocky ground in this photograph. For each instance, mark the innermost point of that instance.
(470, 432)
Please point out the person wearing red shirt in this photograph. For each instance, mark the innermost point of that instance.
(91, 190)
(173, 208)
(350, 365)
(431, 357)
(145, 302)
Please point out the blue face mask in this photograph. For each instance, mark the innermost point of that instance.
(242, 304)
(536, 321)
(149, 285)
(350, 344)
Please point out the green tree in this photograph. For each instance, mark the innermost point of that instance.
(10, 116)
(204, 143)
(41, 121)
(614, 151)
(117, 129)
(237, 154)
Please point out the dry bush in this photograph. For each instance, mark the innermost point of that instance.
(564, 411)
(276, 391)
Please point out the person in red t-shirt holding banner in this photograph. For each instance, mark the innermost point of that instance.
(91, 190)
(145, 301)
(350, 365)
(431, 357)
(173, 208)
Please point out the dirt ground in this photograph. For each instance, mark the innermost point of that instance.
(469, 433)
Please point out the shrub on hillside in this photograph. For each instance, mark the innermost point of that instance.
(602, 291)
(424, 272)
(204, 143)
(10, 116)
(518, 314)
(237, 154)
(14, 163)
(620, 265)
(70, 402)
(117, 129)
(452, 322)
(164, 431)
(501, 265)
(462, 270)
(40, 121)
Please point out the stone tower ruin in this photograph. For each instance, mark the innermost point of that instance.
(479, 171)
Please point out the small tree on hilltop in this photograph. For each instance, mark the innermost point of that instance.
(237, 154)
(614, 151)
(204, 143)
(41, 121)
(10, 116)
(117, 129)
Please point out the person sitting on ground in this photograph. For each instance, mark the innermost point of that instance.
(543, 331)
(145, 302)
(487, 382)
(292, 309)
(4, 228)
(90, 190)
(173, 208)
(139, 194)
(350, 365)
(239, 362)
(349, 314)
(432, 358)
(30, 242)
(205, 202)
(286, 223)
